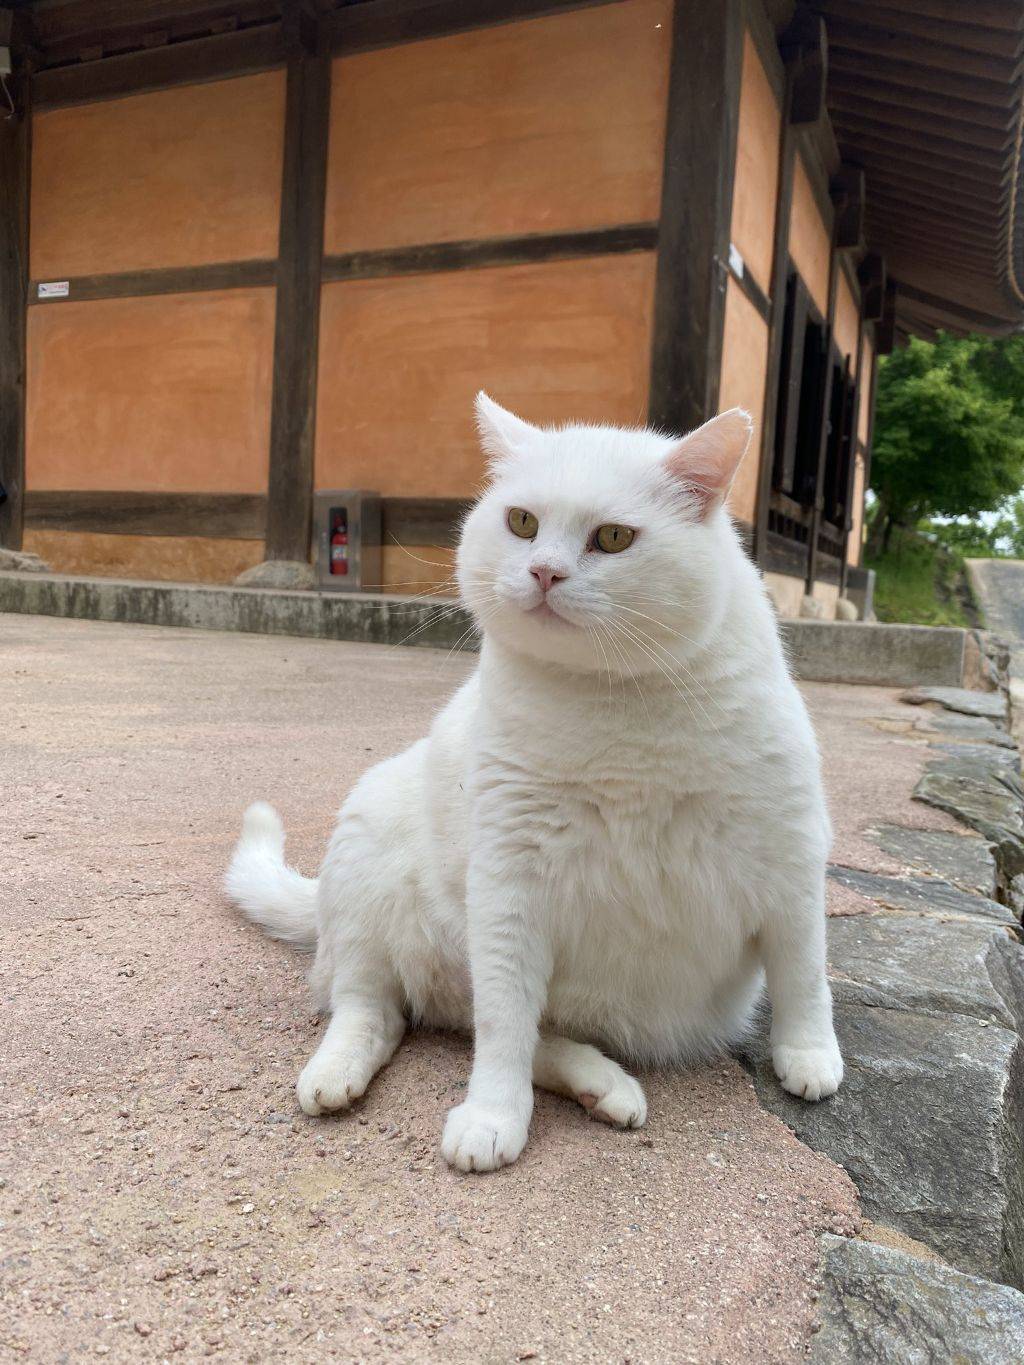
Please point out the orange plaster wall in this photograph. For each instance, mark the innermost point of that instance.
(165, 559)
(544, 125)
(757, 168)
(744, 371)
(401, 360)
(845, 322)
(171, 392)
(809, 242)
(176, 177)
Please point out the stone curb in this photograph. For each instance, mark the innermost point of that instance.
(929, 1007)
(820, 651)
(879, 1304)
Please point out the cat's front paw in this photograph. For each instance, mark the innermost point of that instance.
(479, 1139)
(810, 1073)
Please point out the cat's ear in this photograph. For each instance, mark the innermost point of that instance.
(502, 433)
(706, 461)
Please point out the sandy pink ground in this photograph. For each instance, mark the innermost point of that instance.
(163, 1198)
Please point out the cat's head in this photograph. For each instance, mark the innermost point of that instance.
(597, 547)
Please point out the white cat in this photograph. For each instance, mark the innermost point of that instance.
(614, 831)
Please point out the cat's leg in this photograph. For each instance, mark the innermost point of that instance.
(510, 964)
(353, 976)
(364, 1030)
(805, 1053)
(592, 1079)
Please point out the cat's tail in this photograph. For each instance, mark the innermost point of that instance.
(268, 891)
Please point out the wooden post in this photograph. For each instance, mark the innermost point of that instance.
(696, 212)
(15, 153)
(300, 254)
(826, 409)
(805, 51)
(851, 472)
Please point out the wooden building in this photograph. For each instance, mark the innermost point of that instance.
(250, 249)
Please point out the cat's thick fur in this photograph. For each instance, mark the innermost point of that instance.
(614, 832)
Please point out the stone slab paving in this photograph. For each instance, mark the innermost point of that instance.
(882, 1305)
(929, 991)
(965, 861)
(164, 1198)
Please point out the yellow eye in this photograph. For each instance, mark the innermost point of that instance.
(522, 523)
(611, 539)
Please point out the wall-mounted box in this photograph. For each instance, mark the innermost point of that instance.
(346, 529)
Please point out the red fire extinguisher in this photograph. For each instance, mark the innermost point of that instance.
(339, 546)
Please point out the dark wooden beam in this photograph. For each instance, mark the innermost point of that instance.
(847, 193)
(851, 471)
(891, 44)
(891, 24)
(218, 55)
(846, 89)
(228, 516)
(423, 521)
(752, 289)
(357, 28)
(956, 312)
(468, 255)
(872, 403)
(231, 516)
(802, 50)
(885, 110)
(871, 273)
(939, 142)
(885, 328)
(297, 325)
(15, 158)
(826, 409)
(358, 265)
(696, 210)
(189, 279)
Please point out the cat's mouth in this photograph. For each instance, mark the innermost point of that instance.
(544, 611)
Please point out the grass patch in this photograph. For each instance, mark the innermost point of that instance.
(920, 583)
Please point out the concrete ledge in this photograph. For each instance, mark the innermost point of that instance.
(370, 619)
(866, 652)
(820, 651)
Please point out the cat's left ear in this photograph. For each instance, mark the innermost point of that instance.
(502, 434)
(706, 461)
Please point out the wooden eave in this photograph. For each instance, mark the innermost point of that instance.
(926, 96)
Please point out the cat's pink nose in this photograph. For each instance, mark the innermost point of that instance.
(545, 576)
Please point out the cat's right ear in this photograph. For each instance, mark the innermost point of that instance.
(503, 435)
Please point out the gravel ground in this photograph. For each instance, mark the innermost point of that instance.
(163, 1198)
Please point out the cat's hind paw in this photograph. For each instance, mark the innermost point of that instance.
(623, 1104)
(810, 1073)
(478, 1139)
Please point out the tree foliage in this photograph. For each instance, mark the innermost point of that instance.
(949, 428)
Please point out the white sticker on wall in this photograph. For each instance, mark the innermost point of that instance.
(735, 261)
(54, 289)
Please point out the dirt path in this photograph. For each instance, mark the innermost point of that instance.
(163, 1198)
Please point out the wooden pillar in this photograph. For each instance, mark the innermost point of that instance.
(15, 155)
(804, 49)
(851, 473)
(696, 212)
(826, 409)
(300, 254)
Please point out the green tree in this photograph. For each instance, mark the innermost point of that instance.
(949, 430)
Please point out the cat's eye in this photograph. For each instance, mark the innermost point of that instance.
(522, 523)
(611, 538)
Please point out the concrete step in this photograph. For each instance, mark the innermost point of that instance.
(820, 651)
